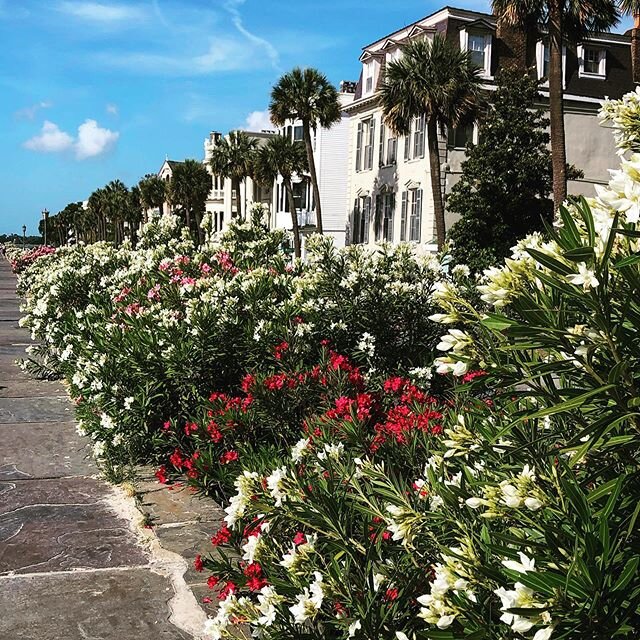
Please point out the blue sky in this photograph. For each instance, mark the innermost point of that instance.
(97, 90)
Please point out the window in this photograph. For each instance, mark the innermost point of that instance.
(365, 142)
(392, 150)
(545, 60)
(388, 208)
(542, 62)
(479, 47)
(361, 220)
(403, 216)
(369, 74)
(592, 62)
(415, 221)
(459, 137)
(477, 50)
(418, 137)
(298, 133)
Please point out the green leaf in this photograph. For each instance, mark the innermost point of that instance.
(567, 405)
(497, 322)
(627, 573)
(628, 261)
(581, 254)
(550, 262)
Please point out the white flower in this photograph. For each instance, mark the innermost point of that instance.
(533, 504)
(276, 486)
(353, 627)
(525, 564)
(251, 548)
(585, 277)
(299, 449)
(543, 634)
(475, 503)
(128, 402)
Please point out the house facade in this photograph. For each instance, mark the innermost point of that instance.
(331, 152)
(389, 185)
(222, 202)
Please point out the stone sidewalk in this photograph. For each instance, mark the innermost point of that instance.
(72, 565)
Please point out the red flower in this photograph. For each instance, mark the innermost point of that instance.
(222, 536)
(280, 349)
(255, 584)
(391, 594)
(299, 538)
(166, 426)
(198, 564)
(161, 475)
(229, 589)
(190, 427)
(212, 582)
(472, 375)
(247, 382)
(228, 456)
(176, 459)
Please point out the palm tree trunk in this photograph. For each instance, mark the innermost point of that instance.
(306, 129)
(556, 106)
(635, 48)
(294, 219)
(235, 188)
(436, 186)
(198, 223)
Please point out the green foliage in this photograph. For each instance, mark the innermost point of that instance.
(502, 194)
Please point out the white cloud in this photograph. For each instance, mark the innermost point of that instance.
(94, 140)
(91, 141)
(50, 140)
(257, 121)
(29, 113)
(101, 12)
(112, 109)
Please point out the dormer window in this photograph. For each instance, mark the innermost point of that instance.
(592, 62)
(369, 77)
(542, 62)
(478, 44)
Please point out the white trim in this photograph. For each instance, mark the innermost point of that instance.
(540, 46)
(602, 62)
(569, 96)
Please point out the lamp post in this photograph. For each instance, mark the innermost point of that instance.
(24, 236)
(45, 219)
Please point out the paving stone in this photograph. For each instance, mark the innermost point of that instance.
(46, 450)
(188, 541)
(166, 506)
(11, 335)
(10, 315)
(53, 525)
(11, 371)
(87, 606)
(55, 409)
(31, 388)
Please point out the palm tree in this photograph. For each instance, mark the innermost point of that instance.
(189, 188)
(98, 208)
(306, 95)
(233, 158)
(563, 19)
(632, 8)
(117, 203)
(438, 80)
(281, 156)
(152, 192)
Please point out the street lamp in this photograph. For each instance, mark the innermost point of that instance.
(45, 218)
(24, 235)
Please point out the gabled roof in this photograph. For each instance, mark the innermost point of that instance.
(481, 23)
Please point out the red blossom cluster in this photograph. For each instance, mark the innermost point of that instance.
(223, 258)
(19, 264)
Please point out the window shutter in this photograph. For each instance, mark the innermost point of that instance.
(359, 147)
(407, 147)
(418, 215)
(392, 208)
(372, 141)
(378, 216)
(392, 146)
(381, 160)
(367, 219)
(403, 216)
(355, 229)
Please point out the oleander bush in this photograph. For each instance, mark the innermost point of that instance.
(521, 519)
(142, 335)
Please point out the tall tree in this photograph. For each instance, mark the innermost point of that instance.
(152, 192)
(189, 188)
(503, 193)
(233, 159)
(281, 156)
(306, 95)
(632, 8)
(98, 209)
(563, 20)
(117, 203)
(436, 79)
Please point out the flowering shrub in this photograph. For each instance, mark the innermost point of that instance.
(520, 520)
(143, 334)
(20, 260)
